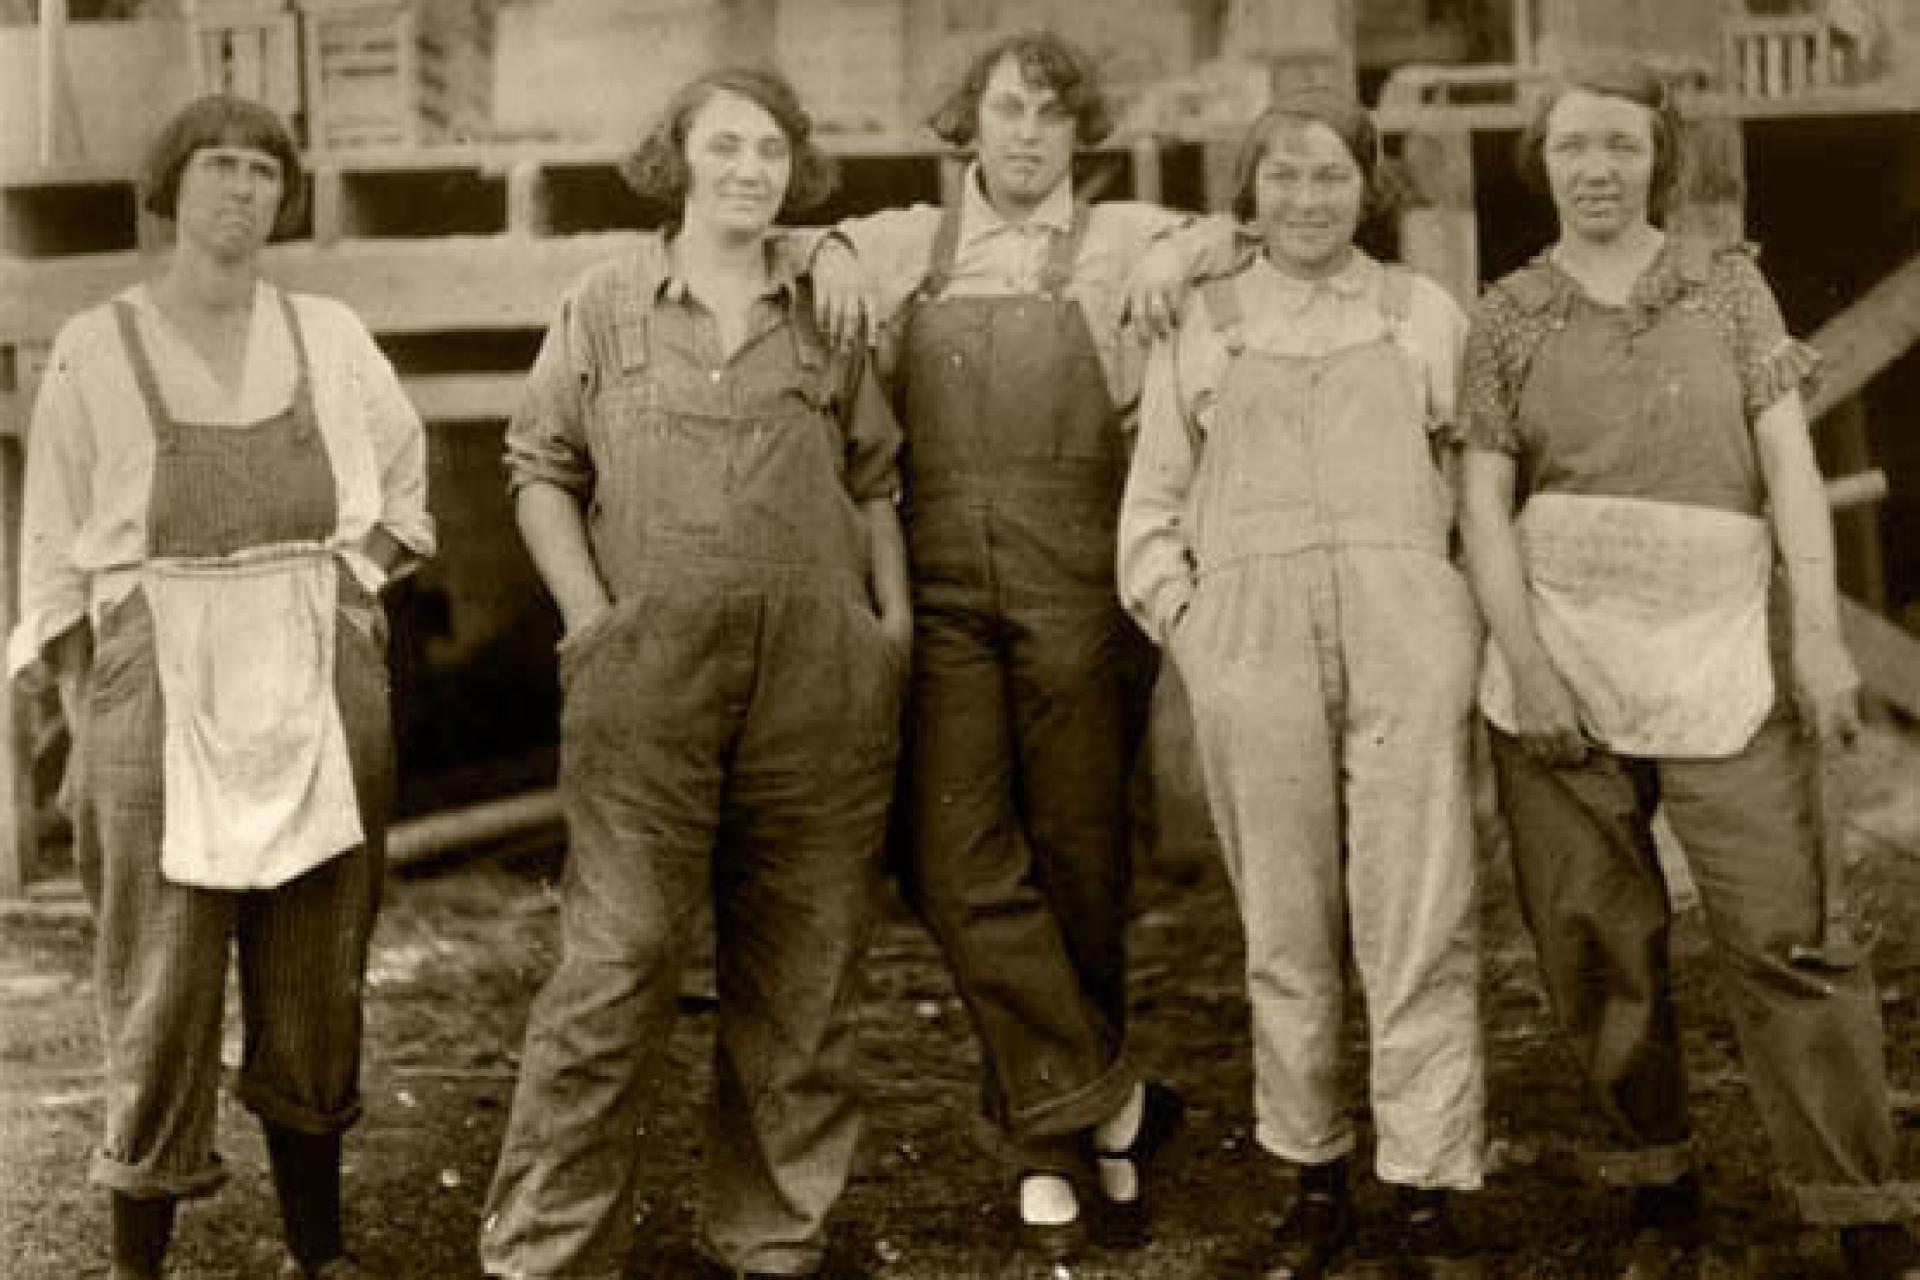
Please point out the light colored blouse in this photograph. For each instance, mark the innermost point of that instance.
(1282, 316)
(91, 450)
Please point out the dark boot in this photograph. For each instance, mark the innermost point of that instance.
(1317, 1230)
(1665, 1222)
(1880, 1251)
(142, 1228)
(1428, 1239)
(306, 1173)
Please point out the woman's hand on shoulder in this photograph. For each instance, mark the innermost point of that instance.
(846, 300)
(1156, 290)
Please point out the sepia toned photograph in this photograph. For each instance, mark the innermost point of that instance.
(960, 639)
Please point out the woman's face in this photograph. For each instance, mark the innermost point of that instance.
(228, 198)
(739, 162)
(1599, 154)
(1024, 139)
(1307, 195)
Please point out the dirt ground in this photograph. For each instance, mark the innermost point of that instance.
(461, 948)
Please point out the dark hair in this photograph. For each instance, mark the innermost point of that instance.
(657, 170)
(222, 120)
(1047, 62)
(1632, 81)
(1349, 121)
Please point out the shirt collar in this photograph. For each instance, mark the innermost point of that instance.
(979, 219)
(1352, 282)
(782, 284)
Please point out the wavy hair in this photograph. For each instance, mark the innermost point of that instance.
(1048, 62)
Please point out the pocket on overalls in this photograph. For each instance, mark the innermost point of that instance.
(577, 648)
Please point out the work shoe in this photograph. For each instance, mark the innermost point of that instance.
(1051, 1242)
(1665, 1221)
(1318, 1228)
(1428, 1240)
(1881, 1251)
(1124, 1224)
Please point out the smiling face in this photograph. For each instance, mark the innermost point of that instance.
(1599, 156)
(227, 200)
(739, 162)
(1024, 138)
(1308, 192)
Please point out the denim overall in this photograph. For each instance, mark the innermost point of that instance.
(729, 728)
(1028, 686)
(162, 946)
(1330, 650)
(1647, 405)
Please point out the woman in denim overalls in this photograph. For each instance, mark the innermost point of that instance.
(1285, 536)
(708, 492)
(222, 475)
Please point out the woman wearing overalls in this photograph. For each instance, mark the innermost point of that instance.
(221, 477)
(1000, 322)
(708, 492)
(1634, 396)
(1285, 538)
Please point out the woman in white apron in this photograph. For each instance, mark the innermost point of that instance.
(221, 476)
(1638, 463)
(1285, 537)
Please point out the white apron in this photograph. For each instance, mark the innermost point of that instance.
(1655, 614)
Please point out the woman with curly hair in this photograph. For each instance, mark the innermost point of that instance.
(707, 489)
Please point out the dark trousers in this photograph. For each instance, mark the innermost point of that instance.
(1596, 904)
(1026, 710)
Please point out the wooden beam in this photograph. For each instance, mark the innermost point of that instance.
(17, 817)
(1711, 190)
(1887, 655)
(1856, 530)
(1865, 338)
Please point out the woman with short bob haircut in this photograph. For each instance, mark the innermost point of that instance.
(1284, 537)
(222, 476)
(706, 489)
(657, 172)
(1639, 492)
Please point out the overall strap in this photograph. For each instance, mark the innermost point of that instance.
(1229, 316)
(946, 244)
(1396, 296)
(1063, 251)
(302, 363)
(143, 375)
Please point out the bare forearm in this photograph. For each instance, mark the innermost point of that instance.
(892, 596)
(555, 532)
(1492, 551)
(1802, 525)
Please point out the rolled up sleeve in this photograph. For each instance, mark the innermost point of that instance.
(400, 448)
(873, 434)
(546, 441)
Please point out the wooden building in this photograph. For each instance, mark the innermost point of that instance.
(453, 230)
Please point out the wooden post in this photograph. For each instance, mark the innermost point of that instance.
(16, 765)
(1440, 234)
(1844, 451)
(53, 78)
(1146, 177)
(1308, 43)
(1709, 198)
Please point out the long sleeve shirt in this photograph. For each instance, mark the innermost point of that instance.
(1283, 316)
(91, 449)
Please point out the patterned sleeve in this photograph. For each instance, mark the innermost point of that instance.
(1488, 410)
(1772, 362)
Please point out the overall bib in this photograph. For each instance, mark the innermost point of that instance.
(730, 728)
(1642, 416)
(1329, 652)
(1028, 687)
(244, 509)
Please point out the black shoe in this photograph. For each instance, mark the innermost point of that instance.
(1665, 1224)
(1881, 1251)
(1429, 1242)
(1124, 1224)
(1317, 1230)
